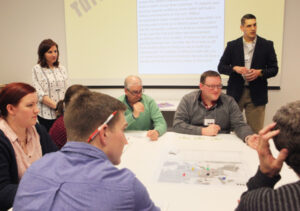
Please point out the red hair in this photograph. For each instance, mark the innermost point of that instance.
(12, 94)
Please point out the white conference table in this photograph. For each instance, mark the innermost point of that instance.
(146, 158)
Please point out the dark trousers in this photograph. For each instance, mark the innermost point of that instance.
(47, 123)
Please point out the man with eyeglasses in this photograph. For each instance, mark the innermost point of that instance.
(208, 112)
(82, 175)
(142, 111)
(249, 61)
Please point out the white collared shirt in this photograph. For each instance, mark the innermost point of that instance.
(248, 51)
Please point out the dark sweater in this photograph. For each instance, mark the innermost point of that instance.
(8, 166)
(262, 197)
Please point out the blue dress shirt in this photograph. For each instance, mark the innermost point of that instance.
(80, 177)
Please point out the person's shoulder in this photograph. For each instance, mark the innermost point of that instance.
(57, 125)
(235, 41)
(45, 165)
(147, 98)
(61, 67)
(115, 176)
(37, 67)
(122, 98)
(4, 142)
(126, 172)
(264, 40)
(190, 99)
(40, 128)
(60, 120)
(192, 95)
(128, 175)
(226, 98)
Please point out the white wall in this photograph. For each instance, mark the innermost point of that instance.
(25, 23)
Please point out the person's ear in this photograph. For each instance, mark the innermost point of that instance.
(201, 86)
(126, 91)
(10, 109)
(103, 135)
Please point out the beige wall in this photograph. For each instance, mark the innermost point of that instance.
(25, 23)
(290, 86)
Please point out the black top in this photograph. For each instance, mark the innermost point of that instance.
(262, 197)
(8, 166)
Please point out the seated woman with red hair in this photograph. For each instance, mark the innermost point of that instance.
(22, 140)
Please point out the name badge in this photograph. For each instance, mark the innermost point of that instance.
(209, 122)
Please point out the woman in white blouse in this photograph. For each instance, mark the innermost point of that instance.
(49, 80)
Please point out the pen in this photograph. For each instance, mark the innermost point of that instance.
(101, 126)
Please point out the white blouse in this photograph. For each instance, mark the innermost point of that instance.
(51, 83)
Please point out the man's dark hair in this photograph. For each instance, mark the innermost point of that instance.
(209, 73)
(287, 120)
(247, 16)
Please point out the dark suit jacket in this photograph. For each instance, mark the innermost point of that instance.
(264, 57)
(8, 166)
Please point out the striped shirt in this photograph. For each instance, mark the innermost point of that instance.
(51, 83)
(262, 197)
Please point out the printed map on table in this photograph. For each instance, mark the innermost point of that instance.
(203, 168)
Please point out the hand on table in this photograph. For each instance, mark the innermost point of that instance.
(211, 130)
(153, 135)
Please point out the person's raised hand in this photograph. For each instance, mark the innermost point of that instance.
(269, 165)
(252, 141)
(137, 109)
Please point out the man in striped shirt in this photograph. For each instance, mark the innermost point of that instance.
(285, 132)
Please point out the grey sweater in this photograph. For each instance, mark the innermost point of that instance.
(190, 115)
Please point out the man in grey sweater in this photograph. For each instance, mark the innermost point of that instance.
(208, 112)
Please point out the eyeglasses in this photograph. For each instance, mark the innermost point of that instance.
(136, 92)
(95, 133)
(214, 86)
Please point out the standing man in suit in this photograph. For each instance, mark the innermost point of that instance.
(249, 61)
